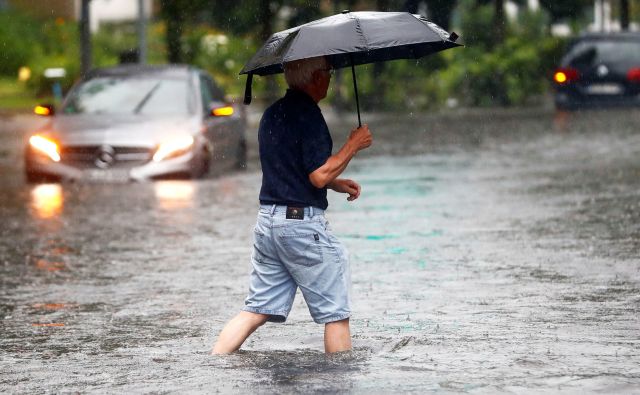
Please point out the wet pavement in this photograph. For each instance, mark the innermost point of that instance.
(492, 252)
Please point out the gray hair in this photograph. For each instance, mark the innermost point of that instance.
(298, 73)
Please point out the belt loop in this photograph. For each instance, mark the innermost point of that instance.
(273, 209)
(310, 211)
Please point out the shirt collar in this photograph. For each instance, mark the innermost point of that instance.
(297, 94)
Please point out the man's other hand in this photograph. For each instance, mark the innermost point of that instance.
(344, 185)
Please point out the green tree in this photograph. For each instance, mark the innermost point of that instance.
(565, 9)
(18, 42)
(259, 19)
(440, 11)
(625, 10)
(177, 14)
(511, 72)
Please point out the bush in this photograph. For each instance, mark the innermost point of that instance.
(483, 73)
(223, 56)
(58, 47)
(513, 72)
(19, 38)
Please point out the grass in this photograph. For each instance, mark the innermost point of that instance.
(15, 96)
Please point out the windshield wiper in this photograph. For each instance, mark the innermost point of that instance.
(146, 98)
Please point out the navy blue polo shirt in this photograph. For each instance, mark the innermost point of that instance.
(294, 141)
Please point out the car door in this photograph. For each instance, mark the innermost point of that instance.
(221, 130)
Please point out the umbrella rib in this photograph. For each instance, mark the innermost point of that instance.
(291, 45)
(437, 29)
(361, 33)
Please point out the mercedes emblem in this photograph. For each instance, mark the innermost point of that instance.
(105, 157)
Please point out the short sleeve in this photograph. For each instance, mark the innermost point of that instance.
(316, 144)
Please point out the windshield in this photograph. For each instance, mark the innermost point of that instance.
(151, 95)
(594, 52)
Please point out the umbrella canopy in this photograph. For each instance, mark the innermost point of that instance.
(349, 39)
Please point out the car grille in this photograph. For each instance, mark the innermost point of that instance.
(105, 156)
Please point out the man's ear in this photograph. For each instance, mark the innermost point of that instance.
(315, 76)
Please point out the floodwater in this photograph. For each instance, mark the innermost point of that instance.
(492, 252)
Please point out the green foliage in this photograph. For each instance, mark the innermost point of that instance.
(112, 40)
(565, 9)
(483, 73)
(512, 72)
(476, 23)
(221, 55)
(19, 38)
(58, 47)
(17, 95)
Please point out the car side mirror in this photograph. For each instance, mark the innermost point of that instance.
(217, 109)
(45, 110)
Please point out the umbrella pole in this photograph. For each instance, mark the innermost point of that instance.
(355, 89)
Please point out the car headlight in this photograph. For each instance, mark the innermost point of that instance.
(172, 148)
(45, 146)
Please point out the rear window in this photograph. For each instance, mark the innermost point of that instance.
(132, 95)
(604, 51)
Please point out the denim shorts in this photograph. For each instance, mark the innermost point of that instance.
(292, 253)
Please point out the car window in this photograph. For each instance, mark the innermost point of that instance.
(206, 94)
(604, 51)
(210, 91)
(132, 95)
(218, 95)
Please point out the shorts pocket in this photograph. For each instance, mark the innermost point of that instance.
(303, 249)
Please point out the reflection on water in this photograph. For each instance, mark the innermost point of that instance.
(561, 121)
(50, 266)
(174, 195)
(50, 306)
(46, 200)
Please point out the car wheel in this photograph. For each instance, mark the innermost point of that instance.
(241, 155)
(201, 168)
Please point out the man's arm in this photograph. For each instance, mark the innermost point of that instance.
(358, 140)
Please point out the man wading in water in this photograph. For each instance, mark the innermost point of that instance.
(294, 246)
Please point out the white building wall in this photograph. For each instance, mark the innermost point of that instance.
(512, 9)
(101, 11)
(602, 16)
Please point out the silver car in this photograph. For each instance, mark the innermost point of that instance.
(136, 123)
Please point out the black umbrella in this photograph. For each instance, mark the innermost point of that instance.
(350, 39)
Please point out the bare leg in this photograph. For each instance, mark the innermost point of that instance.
(337, 336)
(237, 330)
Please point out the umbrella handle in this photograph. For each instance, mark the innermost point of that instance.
(355, 89)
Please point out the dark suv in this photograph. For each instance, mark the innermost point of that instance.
(599, 70)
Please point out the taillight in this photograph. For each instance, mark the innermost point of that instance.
(633, 75)
(565, 75)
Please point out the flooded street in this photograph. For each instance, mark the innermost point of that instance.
(491, 252)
